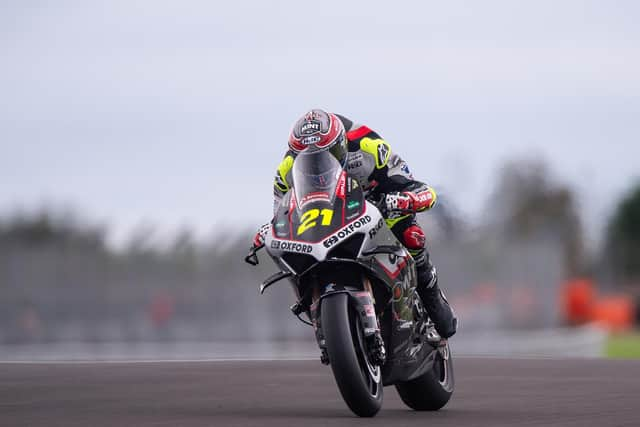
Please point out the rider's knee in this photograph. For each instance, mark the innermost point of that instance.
(413, 238)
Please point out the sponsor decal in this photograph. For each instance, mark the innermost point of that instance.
(310, 127)
(374, 231)
(291, 246)
(280, 224)
(352, 216)
(353, 204)
(314, 196)
(347, 231)
(383, 152)
(310, 140)
(355, 156)
(355, 161)
(405, 169)
(423, 196)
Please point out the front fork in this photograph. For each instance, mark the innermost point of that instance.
(363, 304)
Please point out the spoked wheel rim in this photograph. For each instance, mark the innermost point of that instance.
(371, 373)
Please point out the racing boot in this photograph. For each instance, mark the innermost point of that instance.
(440, 312)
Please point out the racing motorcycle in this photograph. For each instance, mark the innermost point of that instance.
(355, 283)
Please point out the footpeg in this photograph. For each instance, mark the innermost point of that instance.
(432, 335)
(324, 357)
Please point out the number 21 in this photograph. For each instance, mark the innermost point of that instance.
(308, 219)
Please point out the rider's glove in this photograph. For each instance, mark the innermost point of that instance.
(410, 201)
(398, 202)
(258, 240)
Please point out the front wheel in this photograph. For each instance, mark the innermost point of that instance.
(432, 390)
(358, 379)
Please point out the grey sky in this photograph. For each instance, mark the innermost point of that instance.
(162, 111)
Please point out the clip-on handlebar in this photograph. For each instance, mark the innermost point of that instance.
(252, 257)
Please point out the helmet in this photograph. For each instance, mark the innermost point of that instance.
(318, 130)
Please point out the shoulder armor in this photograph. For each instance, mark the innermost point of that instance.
(378, 148)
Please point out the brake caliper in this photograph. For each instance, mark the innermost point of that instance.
(377, 353)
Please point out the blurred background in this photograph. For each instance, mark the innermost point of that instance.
(138, 141)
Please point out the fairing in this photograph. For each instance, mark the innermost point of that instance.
(324, 199)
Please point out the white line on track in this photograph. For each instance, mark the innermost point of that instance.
(134, 361)
(283, 359)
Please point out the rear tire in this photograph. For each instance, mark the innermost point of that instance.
(432, 390)
(360, 382)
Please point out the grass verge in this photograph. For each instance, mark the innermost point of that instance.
(623, 346)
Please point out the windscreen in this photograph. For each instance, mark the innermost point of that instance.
(315, 176)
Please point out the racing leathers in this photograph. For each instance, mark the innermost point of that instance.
(386, 179)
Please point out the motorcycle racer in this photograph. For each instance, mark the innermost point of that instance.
(386, 181)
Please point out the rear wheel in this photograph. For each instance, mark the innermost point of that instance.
(358, 379)
(432, 390)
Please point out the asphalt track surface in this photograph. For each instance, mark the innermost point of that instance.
(490, 392)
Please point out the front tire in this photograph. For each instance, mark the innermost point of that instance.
(358, 379)
(432, 390)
